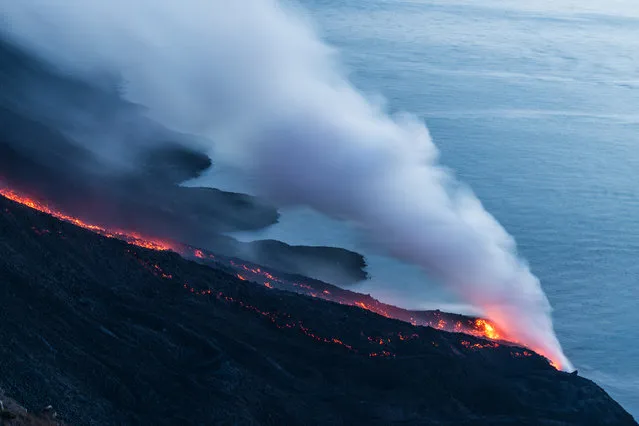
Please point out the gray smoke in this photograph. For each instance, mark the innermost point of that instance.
(253, 77)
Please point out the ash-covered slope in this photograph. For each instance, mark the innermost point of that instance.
(110, 333)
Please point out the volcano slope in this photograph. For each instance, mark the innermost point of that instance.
(110, 333)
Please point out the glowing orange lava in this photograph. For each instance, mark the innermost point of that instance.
(477, 327)
(487, 329)
(130, 237)
(467, 344)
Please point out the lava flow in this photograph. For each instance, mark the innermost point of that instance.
(478, 327)
(370, 346)
(129, 237)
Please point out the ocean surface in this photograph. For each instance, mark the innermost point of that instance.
(534, 105)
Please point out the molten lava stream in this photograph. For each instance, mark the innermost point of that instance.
(128, 236)
(480, 327)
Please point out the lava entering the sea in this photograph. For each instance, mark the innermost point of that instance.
(477, 327)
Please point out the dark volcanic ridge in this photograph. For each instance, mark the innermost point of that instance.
(112, 333)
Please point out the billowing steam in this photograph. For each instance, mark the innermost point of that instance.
(253, 76)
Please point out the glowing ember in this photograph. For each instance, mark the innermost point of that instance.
(469, 345)
(526, 354)
(382, 354)
(411, 337)
(129, 237)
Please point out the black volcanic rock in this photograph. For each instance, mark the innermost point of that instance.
(330, 264)
(109, 333)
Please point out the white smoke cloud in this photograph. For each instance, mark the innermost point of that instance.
(253, 76)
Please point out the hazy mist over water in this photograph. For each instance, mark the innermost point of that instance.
(536, 107)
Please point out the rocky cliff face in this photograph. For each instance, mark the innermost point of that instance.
(109, 333)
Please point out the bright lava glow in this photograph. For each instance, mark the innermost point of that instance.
(130, 237)
(478, 327)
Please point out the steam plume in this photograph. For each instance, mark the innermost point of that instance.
(253, 76)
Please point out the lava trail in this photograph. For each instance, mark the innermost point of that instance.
(478, 327)
(128, 236)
